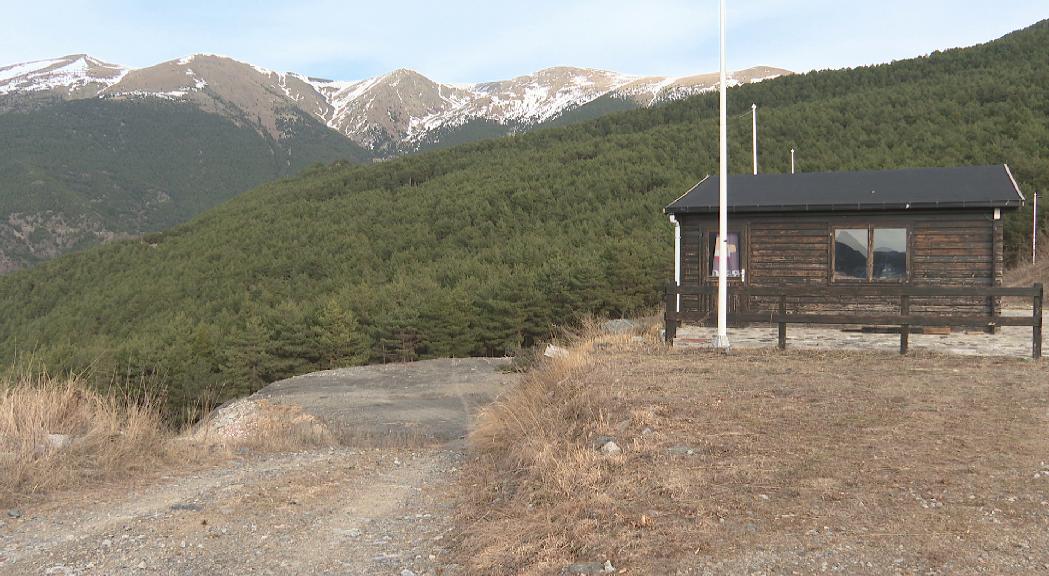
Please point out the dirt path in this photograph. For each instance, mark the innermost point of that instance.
(352, 510)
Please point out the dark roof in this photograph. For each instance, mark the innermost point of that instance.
(907, 189)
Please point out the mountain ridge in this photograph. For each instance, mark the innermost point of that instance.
(399, 111)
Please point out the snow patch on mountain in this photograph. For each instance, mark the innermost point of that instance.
(398, 110)
(69, 73)
(189, 59)
(165, 95)
(25, 69)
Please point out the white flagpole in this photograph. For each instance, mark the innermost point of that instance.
(721, 341)
(791, 160)
(1034, 231)
(754, 132)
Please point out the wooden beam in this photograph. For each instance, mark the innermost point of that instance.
(864, 319)
(782, 325)
(992, 302)
(905, 329)
(1036, 317)
(905, 320)
(895, 290)
(671, 314)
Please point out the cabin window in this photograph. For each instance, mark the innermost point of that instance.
(850, 254)
(890, 254)
(871, 254)
(735, 267)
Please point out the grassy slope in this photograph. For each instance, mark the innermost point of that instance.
(480, 248)
(138, 166)
(760, 463)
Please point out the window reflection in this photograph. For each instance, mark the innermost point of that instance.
(890, 253)
(850, 253)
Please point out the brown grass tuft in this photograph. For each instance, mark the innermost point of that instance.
(58, 433)
(536, 451)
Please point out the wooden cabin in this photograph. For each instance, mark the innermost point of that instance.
(936, 227)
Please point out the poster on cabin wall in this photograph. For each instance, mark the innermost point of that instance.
(732, 247)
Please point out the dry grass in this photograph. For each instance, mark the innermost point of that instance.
(102, 436)
(1026, 273)
(60, 434)
(762, 462)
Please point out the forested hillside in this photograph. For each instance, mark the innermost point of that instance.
(482, 248)
(73, 173)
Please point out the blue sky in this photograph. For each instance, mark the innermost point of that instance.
(469, 40)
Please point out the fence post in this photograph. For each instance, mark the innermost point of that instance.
(783, 322)
(1036, 337)
(670, 316)
(905, 329)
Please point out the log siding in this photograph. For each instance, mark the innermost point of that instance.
(945, 248)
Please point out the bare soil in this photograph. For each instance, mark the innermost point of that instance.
(428, 402)
(762, 462)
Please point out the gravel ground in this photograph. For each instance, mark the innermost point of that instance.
(341, 512)
(1010, 341)
(370, 507)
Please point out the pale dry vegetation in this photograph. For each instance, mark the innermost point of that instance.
(1027, 273)
(264, 426)
(761, 462)
(58, 433)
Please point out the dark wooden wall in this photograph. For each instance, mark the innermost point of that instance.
(946, 248)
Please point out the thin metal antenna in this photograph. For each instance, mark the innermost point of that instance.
(721, 341)
(754, 131)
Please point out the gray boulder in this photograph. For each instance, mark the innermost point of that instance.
(553, 351)
(59, 441)
(619, 326)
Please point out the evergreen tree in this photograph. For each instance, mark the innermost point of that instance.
(248, 360)
(339, 338)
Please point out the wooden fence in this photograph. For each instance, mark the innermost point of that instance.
(904, 318)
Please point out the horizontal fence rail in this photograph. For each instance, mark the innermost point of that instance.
(904, 319)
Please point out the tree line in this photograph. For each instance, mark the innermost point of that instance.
(487, 247)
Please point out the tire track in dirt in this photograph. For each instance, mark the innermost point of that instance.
(344, 512)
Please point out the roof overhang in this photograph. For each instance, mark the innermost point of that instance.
(1007, 205)
(959, 188)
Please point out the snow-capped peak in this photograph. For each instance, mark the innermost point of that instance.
(69, 73)
(207, 55)
(396, 110)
